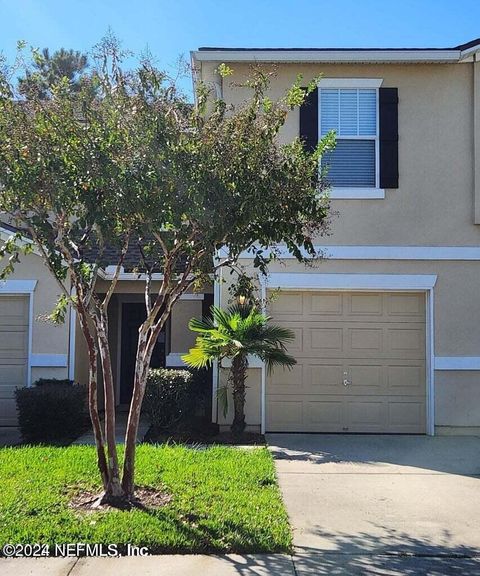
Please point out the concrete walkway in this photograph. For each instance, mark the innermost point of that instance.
(366, 504)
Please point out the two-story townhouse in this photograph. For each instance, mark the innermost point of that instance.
(387, 325)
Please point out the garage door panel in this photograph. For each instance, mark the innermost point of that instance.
(285, 414)
(375, 341)
(325, 378)
(406, 342)
(366, 415)
(364, 304)
(12, 375)
(406, 415)
(289, 381)
(13, 344)
(13, 311)
(325, 304)
(13, 353)
(8, 412)
(409, 306)
(325, 341)
(365, 341)
(366, 379)
(287, 304)
(325, 413)
(404, 378)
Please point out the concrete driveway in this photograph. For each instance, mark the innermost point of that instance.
(381, 504)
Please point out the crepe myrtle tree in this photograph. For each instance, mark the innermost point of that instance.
(125, 165)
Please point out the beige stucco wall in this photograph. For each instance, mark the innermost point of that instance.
(181, 338)
(47, 338)
(434, 203)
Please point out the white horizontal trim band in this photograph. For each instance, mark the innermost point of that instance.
(350, 82)
(457, 362)
(17, 286)
(314, 281)
(192, 297)
(383, 252)
(253, 362)
(174, 359)
(356, 193)
(49, 360)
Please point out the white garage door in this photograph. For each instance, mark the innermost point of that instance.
(13, 353)
(361, 363)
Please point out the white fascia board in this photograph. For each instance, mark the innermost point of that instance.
(333, 252)
(350, 82)
(314, 281)
(109, 274)
(49, 360)
(339, 56)
(457, 363)
(17, 286)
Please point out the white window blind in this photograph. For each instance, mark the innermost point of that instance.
(352, 114)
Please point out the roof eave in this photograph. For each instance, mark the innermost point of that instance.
(332, 56)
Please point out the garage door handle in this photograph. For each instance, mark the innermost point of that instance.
(346, 382)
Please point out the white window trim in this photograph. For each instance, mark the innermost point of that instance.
(358, 282)
(357, 193)
(49, 360)
(352, 193)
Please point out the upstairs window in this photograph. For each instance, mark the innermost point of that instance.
(353, 114)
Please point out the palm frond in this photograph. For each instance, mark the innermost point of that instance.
(203, 325)
(196, 358)
(277, 357)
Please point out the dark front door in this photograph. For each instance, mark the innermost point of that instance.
(133, 314)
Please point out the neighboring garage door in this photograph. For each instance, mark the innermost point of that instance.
(13, 353)
(360, 363)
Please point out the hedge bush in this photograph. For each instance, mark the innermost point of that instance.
(52, 411)
(173, 396)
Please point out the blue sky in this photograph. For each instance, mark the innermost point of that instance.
(174, 27)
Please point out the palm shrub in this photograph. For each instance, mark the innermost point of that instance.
(236, 333)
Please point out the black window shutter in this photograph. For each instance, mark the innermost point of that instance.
(388, 116)
(309, 120)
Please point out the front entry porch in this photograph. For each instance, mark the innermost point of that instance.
(126, 312)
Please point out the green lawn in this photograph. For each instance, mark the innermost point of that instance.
(223, 500)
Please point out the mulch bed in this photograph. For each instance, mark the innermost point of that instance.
(195, 437)
(146, 498)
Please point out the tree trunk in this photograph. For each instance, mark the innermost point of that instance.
(92, 394)
(238, 377)
(114, 489)
(142, 362)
